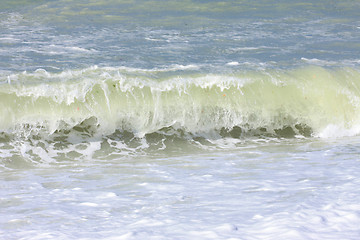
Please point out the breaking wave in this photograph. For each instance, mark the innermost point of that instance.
(304, 102)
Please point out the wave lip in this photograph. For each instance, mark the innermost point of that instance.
(297, 102)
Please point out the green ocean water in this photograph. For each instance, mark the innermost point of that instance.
(179, 119)
(145, 101)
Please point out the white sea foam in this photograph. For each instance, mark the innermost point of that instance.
(319, 62)
(233, 63)
(284, 190)
(145, 101)
(333, 131)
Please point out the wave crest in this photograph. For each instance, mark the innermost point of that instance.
(284, 103)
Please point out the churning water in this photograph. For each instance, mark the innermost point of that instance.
(128, 119)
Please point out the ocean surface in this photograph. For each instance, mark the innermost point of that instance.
(194, 119)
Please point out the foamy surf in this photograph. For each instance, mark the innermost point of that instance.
(305, 101)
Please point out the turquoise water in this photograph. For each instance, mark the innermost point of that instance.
(179, 120)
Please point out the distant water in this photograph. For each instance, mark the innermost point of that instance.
(128, 119)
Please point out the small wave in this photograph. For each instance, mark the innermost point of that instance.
(319, 62)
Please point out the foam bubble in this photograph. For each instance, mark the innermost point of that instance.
(233, 63)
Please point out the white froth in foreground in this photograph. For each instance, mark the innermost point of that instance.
(298, 189)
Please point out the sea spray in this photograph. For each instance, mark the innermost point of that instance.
(302, 101)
